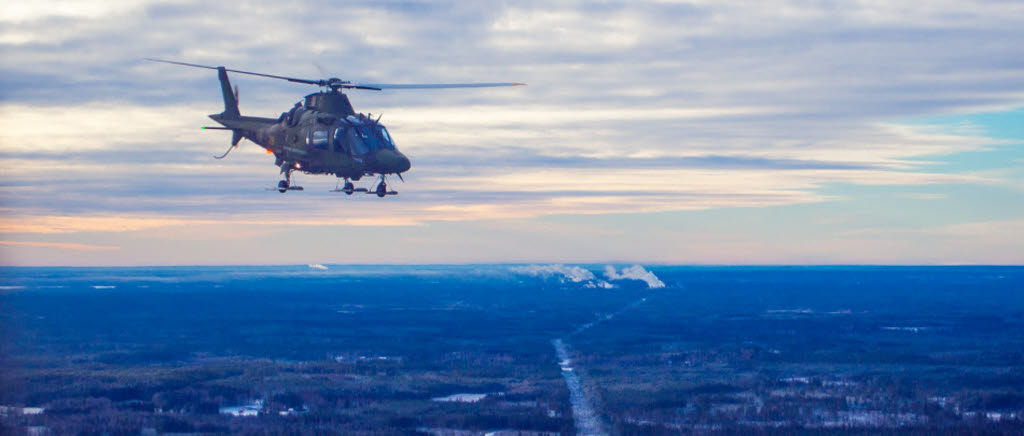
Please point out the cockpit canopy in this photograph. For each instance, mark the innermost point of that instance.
(358, 137)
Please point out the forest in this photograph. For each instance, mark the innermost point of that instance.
(468, 350)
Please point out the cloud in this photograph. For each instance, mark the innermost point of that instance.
(60, 245)
(30, 11)
(120, 223)
(632, 107)
(75, 224)
(635, 272)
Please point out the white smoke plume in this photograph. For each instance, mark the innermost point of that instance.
(574, 274)
(600, 284)
(635, 272)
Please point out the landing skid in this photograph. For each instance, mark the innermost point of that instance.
(286, 184)
(380, 191)
(363, 190)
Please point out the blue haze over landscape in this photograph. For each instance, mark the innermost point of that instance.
(546, 349)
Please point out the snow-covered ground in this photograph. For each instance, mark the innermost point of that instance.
(460, 398)
(588, 423)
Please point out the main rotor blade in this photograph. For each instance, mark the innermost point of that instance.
(386, 86)
(271, 76)
(335, 83)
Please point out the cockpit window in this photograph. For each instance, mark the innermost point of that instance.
(371, 140)
(318, 139)
(360, 138)
(356, 142)
(388, 143)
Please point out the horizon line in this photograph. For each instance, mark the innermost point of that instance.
(457, 264)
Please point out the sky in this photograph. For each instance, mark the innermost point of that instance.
(655, 132)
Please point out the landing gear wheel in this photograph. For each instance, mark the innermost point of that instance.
(382, 190)
(349, 188)
(282, 186)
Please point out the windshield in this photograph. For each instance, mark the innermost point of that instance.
(373, 141)
(387, 137)
(366, 139)
(356, 142)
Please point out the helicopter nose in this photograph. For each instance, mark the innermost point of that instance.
(393, 161)
(403, 163)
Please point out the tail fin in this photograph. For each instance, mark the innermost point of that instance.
(230, 102)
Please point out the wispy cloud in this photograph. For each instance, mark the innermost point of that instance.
(117, 224)
(59, 245)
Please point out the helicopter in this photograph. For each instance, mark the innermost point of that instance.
(322, 134)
